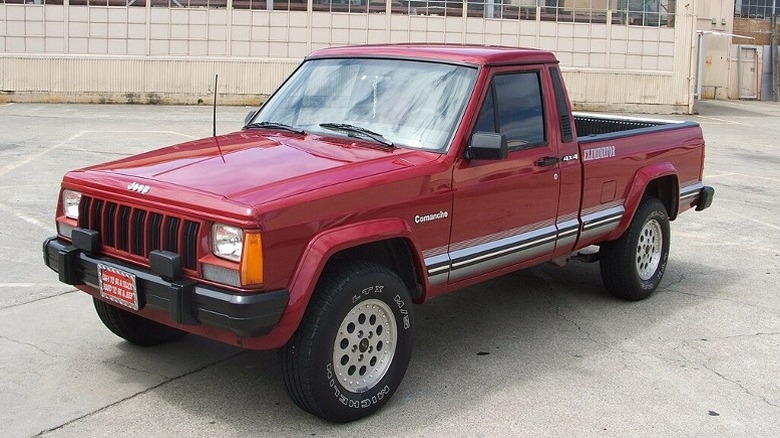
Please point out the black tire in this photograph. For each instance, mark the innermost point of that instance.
(632, 266)
(340, 364)
(133, 328)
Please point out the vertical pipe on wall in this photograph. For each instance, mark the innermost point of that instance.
(700, 64)
(774, 54)
(66, 26)
(148, 28)
(739, 72)
(685, 26)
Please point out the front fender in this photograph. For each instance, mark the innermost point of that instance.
(312, 263)
(641, 181)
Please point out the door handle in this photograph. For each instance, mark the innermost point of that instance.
(547, 161)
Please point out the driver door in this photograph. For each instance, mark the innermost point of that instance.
(505, 209)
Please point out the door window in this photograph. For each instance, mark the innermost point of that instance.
(513, 107)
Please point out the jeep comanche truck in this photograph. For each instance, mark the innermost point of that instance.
(374, 177)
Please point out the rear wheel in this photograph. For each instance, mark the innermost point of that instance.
(352, 348)
(633, 265)
(133, 328)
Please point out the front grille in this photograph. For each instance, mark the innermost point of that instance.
(138, 232)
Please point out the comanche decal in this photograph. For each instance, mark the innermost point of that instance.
(431, 217)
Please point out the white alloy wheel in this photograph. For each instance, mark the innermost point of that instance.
(365, 345)
(352, 347)
(649, 249)
(633, 265)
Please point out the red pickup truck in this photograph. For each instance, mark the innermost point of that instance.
(375, 177)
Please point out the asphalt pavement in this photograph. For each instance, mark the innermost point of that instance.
(541, 352)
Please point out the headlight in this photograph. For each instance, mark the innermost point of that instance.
(70, 203)
(227, 242)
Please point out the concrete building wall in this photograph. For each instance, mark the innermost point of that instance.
(732, 52)
(714, 21)
(760, 30)
(162, 54)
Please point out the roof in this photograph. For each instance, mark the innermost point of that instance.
(456, 53)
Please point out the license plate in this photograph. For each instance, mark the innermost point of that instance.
(118, 286)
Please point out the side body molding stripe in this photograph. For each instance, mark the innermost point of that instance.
(503, 251)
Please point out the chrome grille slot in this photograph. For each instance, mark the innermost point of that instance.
(154, 232)
(137, 232)
(190, 241)
(172, 233)
(110, 224)
(123, 227)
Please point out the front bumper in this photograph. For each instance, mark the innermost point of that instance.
(185, 301)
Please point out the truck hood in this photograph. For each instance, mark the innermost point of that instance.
(240, 165)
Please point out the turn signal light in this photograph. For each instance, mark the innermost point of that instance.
(252, 260)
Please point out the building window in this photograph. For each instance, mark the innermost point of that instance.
(211, 4)
(632, 12)
(761, 9)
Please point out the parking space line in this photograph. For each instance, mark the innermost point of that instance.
(29, 220)
(194, 137)
(720, 243)
(719, 175)
(745, 175)
(34, 285)
(722, 121)
(9, 167)
(760, 222)
(149, 132)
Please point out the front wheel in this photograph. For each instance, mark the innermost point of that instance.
(633, 265)
(351, 350)
(133, 328)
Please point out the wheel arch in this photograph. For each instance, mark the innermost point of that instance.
(396, 254)
(659, 180)
(388, 242)
(666, 189)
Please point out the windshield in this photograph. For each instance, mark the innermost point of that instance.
(409, 103)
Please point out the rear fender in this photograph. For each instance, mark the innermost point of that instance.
(316, 255)
(642, 180)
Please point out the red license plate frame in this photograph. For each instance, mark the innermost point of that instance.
(118, 286)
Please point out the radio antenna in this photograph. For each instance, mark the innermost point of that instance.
(214, 111)
(214, 120)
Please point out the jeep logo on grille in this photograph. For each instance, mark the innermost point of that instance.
(140, 188)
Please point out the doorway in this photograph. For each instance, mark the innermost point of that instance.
(749, 73)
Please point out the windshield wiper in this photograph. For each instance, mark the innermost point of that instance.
(358, 130)
(274, 125)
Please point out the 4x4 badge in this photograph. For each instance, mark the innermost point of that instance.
(140, 188)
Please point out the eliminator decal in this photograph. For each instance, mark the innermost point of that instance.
(598, 153)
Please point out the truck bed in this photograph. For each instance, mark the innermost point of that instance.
(615, 148)
(594, 127)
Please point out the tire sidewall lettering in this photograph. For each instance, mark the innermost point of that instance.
(387, 292)
(405, 312)
(353, 403)
(652, 282)
(368, 291)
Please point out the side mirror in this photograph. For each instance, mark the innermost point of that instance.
(487, 146)
(250, 116)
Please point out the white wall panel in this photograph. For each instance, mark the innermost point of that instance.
(136, 79)
(115, 51)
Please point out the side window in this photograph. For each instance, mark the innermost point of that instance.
(516, 109)
(487, 116)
